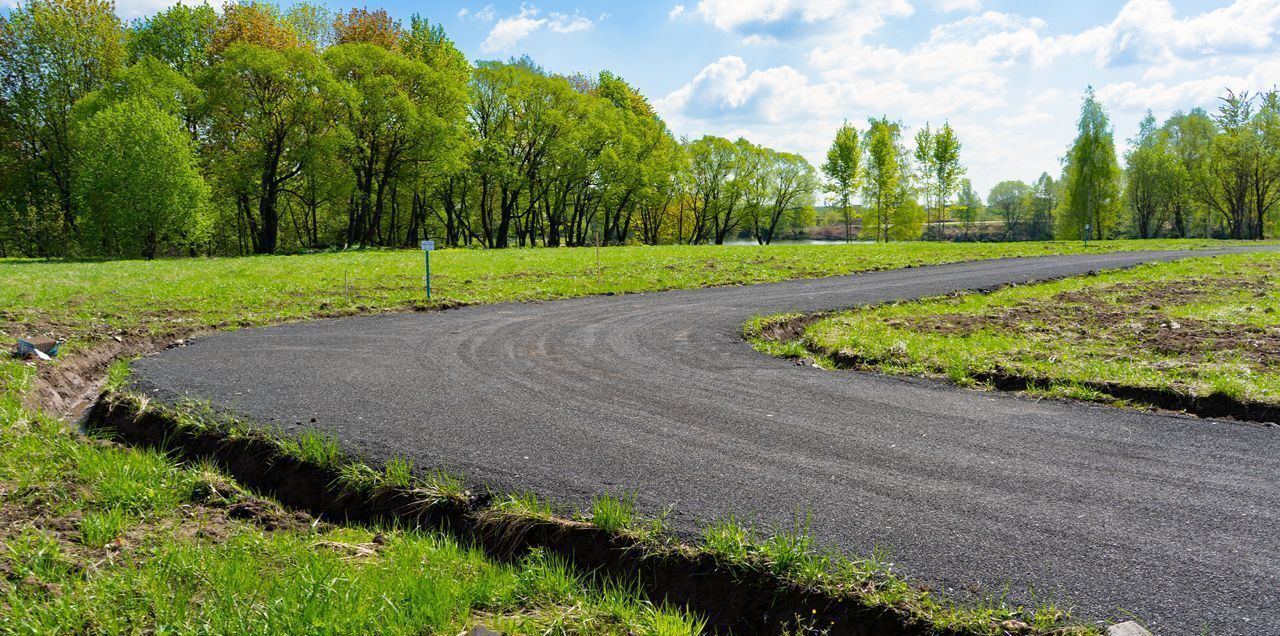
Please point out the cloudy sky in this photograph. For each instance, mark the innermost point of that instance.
(785, 73)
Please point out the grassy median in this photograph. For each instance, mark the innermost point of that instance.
(1205, 328)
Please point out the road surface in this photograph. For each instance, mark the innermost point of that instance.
(1110, 512)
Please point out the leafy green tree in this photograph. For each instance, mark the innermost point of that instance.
(843, 169)
(1091, 176)
(1151, 178)
(179, 36)
(1010, 199)
(401, 115)
(261, 105)
(1265, 180)
(139, 183)
(947, 169)
(925, 166)
(1045, 195)
(313, 24)
(1190, 137)
(52, 53)
(885, 177)
(712, 162)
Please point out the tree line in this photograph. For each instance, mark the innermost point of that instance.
(1198, 174)
(257, 129)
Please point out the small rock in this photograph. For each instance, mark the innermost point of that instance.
(1127, 628)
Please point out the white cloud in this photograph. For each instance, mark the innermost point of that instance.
(1010, 84)
(487, 14)
(509, 31)
(948, 6)
(675, 12)
(800, 17)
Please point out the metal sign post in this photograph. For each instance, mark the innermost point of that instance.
(427, 248)
(1088, 229)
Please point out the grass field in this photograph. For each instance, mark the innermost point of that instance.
(91, 301)
(1197, 327)
(100, 538)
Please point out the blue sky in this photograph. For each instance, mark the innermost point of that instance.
(785, 73)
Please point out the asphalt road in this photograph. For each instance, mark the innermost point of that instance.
(1114, 513)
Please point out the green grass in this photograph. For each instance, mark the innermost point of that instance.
(104, 539)
(1196, 327)
(88, 302)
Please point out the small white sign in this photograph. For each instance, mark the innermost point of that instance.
(428, 246)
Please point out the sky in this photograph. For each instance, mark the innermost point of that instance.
(1008, 76)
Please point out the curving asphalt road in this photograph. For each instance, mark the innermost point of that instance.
(1173, 519)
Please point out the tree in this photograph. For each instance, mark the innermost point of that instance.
(1010, 200)
(712, 162)
(313, 24)
(843, 170)
(139, 183)
(255, 23)
(1151, 178)
(401, 115)
(1091, 176)
(1264, 183)
(52, 53)
(362, 26)
(1045, 194)
(179, 36)
(789, 183)
(261, 104)
(968, 206)
(884, 185)
(947, 170)
(1190, 137)
(1229, 171)
(925, 165)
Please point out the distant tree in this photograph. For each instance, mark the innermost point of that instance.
(1091, 176)
(1151, 182)
(1190, 137)
(947, 170)
(139, 183)
(1010, 200)
(968, 207)
(843, 169)
(1266, 175)
(885, 177)
(789, 183)
(1045, 194)
(925, 165)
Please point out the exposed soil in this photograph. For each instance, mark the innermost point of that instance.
(1134, 313)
